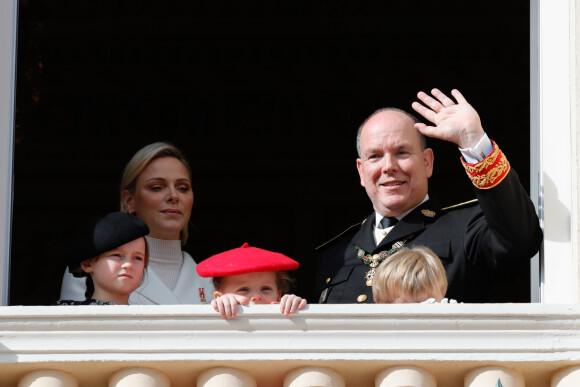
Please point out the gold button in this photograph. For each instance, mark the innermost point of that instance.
(361, 298)
(328, 280)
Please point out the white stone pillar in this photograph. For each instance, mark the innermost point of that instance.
(494, 376)
(568, 377)
(408, 376)
(48, 378)
(225, 377)
(139, 377)
(313, 377)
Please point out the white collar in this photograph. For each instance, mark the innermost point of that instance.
(379, 217)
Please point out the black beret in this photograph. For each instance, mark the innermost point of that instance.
(103, 234)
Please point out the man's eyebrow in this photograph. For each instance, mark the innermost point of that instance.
(404, 145)
(372, 151)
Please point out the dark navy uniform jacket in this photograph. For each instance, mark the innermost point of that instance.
(474, 241)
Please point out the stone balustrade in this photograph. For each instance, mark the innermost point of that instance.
(400, 376)
(508, 345)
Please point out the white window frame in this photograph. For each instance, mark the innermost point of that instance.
(8, 28)
(554, 146)
(554, 153)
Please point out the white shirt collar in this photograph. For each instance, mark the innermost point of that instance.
(380, 233)
(379, 217)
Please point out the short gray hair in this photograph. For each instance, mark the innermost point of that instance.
(422, 138)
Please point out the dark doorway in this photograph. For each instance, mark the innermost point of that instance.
(263, 97)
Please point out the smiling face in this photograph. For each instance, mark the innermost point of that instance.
(251, 288)
(163, 198)
(117, 272)
(393, 167)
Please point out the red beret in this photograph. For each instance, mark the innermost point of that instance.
(244, 260)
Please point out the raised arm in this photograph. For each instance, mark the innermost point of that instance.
(509, 212)
(457, 122)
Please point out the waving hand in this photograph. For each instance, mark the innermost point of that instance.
(455, 122)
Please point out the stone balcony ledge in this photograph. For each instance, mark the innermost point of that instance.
(356, 340)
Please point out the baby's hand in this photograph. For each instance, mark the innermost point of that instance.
(290, 302)
(226, 305)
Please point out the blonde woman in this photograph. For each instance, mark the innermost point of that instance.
(156, 187)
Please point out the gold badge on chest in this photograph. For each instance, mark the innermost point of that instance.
(428, 213)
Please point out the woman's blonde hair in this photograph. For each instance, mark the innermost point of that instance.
(414, 272)
(140, 161)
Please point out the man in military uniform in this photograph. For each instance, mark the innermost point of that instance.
(474, 241)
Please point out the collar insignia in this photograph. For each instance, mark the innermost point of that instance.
(429, 213)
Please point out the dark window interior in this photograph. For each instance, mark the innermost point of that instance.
(263, 97)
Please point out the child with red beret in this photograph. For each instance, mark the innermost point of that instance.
(249, 275)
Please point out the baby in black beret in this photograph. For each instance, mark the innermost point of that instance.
(249, 275)
(111, 252)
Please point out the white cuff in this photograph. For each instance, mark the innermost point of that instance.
(479, 152)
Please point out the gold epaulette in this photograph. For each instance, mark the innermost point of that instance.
(459, 205)
(339, 235)
(489, 172)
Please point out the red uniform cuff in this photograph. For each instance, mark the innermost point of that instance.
(489, 172)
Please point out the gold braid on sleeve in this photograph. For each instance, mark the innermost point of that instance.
(489, 172)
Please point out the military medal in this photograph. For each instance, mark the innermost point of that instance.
(373, 260)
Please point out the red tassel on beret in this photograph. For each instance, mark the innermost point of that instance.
(245, 259)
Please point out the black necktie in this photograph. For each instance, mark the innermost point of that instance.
(388, 222)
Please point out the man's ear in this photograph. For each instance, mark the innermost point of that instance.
(128, 202)
(429, 159)
(87, 266)
(360, 172)
(217, 294)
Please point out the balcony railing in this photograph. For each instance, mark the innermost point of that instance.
(531, 345)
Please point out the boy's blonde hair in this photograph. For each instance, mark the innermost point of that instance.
(414, 272)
